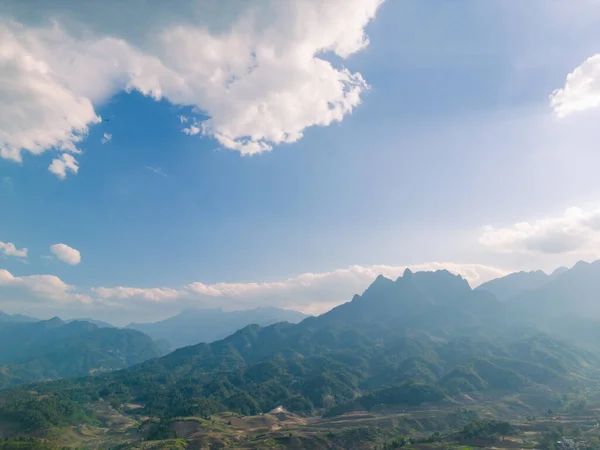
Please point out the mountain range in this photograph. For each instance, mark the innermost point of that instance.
(424, 337)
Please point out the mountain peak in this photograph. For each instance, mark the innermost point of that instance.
(407, 273)
(380, 284)
(581, 264)
(54, 321)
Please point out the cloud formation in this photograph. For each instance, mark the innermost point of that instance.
(258, 69)
(311, 293)
(581, 90)
(39, 111)
(63, 164)
(66, 254)
(37, 289)
(106, 137)
(9, 249)
(576, 231)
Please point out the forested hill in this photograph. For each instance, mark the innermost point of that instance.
(50, 349)
(426, 337)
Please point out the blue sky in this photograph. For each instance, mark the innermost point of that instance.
(454, 157)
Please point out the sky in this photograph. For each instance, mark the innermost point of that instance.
(284, 153)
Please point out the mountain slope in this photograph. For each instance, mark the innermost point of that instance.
(55, 349)
(194, 326)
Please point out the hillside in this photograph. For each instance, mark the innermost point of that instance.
(53, 349)
(194, 326)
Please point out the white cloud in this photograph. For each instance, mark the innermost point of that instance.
(577, 231)
(106, 137)
(37, 289)
(66, 253)
(9, 249)
(255, 68)
(581, 90)
(150, 294)
(63, 164)
(192, 130)
(38, 111)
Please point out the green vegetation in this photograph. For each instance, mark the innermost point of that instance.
(489, 430)
(33, 412)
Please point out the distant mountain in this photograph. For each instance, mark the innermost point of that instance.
(575, 291)
(98, 323)
(514, 284)
(16, 318)
(194, 326)
(53, 349)
(519, 283)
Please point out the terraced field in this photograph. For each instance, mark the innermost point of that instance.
(425, 427)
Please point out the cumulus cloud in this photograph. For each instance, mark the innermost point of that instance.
(63, 164)
(9, 249)
(106, 137)
(66, 254)
(258, 70)
(38, 111)
(576, 231)
(581, 90)
(37, 289)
